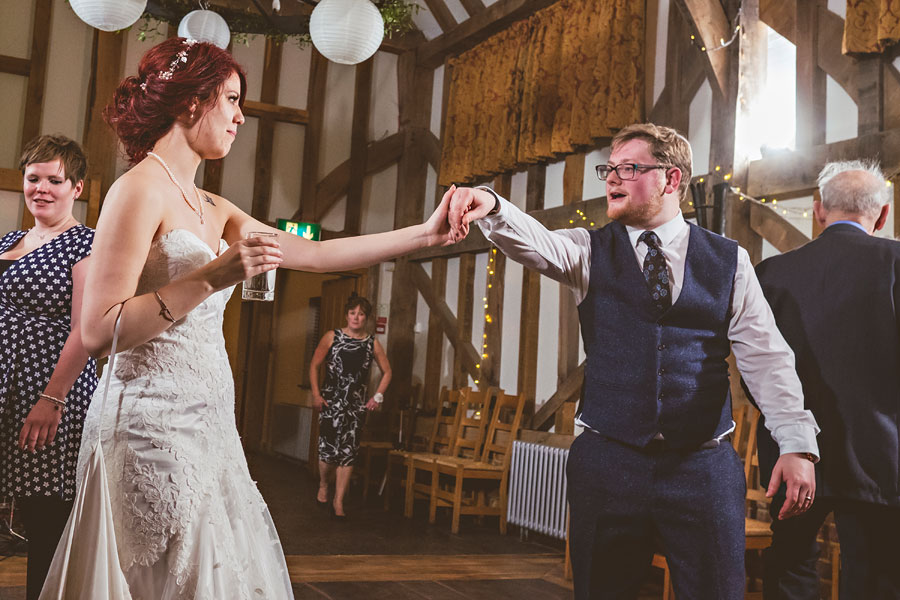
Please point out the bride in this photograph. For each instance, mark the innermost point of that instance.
(188, 519)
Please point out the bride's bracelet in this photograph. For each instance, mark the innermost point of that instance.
(164, 310)
(60, 405)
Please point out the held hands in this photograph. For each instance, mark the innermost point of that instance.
(800, 476)
(438, 227)
(467, 205)
(243, 260)
(40, 426)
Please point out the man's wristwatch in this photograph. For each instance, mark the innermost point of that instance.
(809, 456)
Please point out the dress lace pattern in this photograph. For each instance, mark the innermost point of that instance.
(189, 520)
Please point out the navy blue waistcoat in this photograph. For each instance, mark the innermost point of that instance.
(645, 373)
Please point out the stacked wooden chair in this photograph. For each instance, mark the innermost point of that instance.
(440, 441)
(469, 431)
(463, 483)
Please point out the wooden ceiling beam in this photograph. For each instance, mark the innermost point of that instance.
(283, 114)
(469, 33)
(473, 7)
(789, 171)
(15, 65)
(708, 19)
(441, 14)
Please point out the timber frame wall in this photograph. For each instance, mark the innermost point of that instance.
(734, 73)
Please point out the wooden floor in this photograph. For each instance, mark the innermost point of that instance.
(379, 554)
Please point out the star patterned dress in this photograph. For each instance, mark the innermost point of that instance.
(35, 321)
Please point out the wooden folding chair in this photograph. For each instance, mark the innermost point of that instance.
(488, 472)
(440, 440)
(473, 411)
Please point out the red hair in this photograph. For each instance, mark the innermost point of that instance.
(145, 107)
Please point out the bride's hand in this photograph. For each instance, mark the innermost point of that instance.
(243, 260)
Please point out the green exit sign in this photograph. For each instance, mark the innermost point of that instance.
(311, 231)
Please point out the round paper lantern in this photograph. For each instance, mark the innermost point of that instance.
(205, 26)
(109, 15)
(346, 31)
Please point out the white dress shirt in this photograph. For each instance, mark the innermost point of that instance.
(763, 356)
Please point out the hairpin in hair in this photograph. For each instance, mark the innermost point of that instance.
(181, 57)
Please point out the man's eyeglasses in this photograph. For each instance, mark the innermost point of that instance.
(626, 171)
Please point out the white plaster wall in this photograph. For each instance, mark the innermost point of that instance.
(430, 193)
(11, 206)
(67, 73)
(237, 168)
(841, 113)
(425, 21)
(553, 184)
(251, 56)
(512, 312)
(838, 7)
(287, 168)
(456, 9)
(662, 39)
(379, 192)
(385, 111)
(17, 21)
(12, 98)
(548, 341)
(700, 128)
(293, 81)
(338, 117)
(593, 187)
(437, 98)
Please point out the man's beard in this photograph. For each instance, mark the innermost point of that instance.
(636, 215)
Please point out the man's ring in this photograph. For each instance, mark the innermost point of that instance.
(809, 498)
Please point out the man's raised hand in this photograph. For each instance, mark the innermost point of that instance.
(467, 205)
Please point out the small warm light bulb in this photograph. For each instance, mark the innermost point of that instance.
(592, 223)
(728, 176)
(485, 305)
(784, 212)
(763, 200)
(491, 272)
(718, 168)
(805, 214)
(476, 381)
(484, 299)
(484, 336)
(888, 183)
(692, 37)
(571, 221)
(703, 49)
(477, 366)
(484, 355)
(774, 200)
(701, 180)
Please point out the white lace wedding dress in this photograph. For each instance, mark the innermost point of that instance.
(189, 521)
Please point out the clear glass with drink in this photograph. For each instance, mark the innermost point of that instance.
(262, 286)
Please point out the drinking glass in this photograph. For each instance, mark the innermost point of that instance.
(262, 286)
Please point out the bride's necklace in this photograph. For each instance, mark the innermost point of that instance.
(198, 211)
(52, 232)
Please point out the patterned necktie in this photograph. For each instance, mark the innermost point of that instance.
(655, 272)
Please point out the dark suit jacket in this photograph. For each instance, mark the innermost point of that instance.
(837, 303)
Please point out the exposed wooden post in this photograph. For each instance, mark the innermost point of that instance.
(493, 324)
(434, 352)
(262, 180)
(100, 142)
(465, 299)
(315, 104)
(870, 81)
(37, 74)
(811, 78)
(362, 102)
(415, 87)
(529, 319)
(567, 359)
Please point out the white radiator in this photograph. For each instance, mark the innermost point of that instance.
(537, 488)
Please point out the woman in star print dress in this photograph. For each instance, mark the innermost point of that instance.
(41, 354)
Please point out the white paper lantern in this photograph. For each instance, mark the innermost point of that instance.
(346, 31)
(109, 15)
(205, 26)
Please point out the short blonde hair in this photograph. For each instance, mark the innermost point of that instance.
(666, 145)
